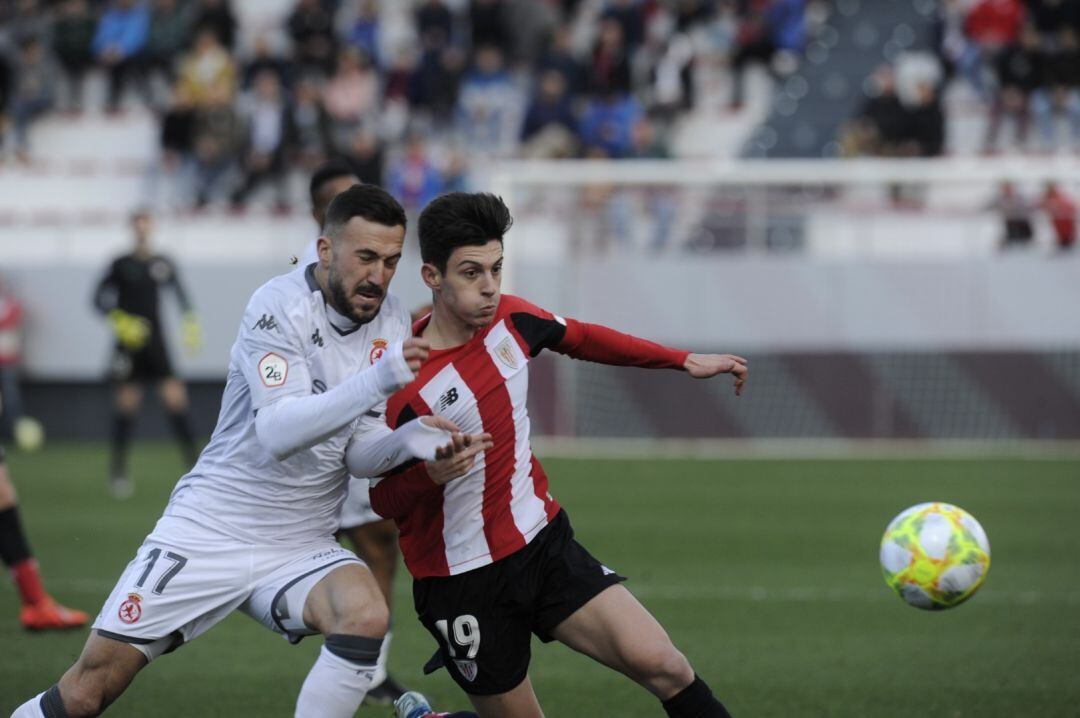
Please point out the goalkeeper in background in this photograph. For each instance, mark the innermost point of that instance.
(129, 297)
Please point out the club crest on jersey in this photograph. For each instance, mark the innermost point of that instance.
(131, 609)
(273, 370)
(467, 668)
(504, 352)
(378, 348)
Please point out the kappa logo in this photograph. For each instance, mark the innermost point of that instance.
(316, 338)
(131, 609)
(448, 398)
(266, 322)
(378, 348)
(467, 668)
(504, 352)
(318, 386)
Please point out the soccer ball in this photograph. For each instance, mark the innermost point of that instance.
(935, 555)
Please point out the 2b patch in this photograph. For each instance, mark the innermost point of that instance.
(273, 370)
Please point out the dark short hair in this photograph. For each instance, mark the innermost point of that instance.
(460, 219)
(329, 170)
(366, 201)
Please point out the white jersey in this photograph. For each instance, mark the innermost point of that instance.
(290, 344)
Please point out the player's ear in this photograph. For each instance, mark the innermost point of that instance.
(432, 276)
(324, 247)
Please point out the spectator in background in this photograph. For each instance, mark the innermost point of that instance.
(879, 125)
(208, 72)
(1061, 210)
(208, 77)
(1051, 16)
(559, 56)
(753, 43)
(992, 26)
(267, 134)
(177, 138)
(364, 153)
(311, 27)
(1059, 97)
(118, 44)
(218, 15)
(413, 179)
(487, 24)
(672, 77)
(263, 57)
(311, 124)
(30, 19)
(926, 123)
(1015, 211)
(489, 107)
(73, 34)
(33, 91)
(434, 23)
(168, 37)
(629, 16)
(610, 70)
(787, 25)
(1020, 71)
(550, 108)
(352, 93)
(363, 30)
(608, 122)
(435, 84)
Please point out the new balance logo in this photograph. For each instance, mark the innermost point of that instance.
(448, 398)
(316, 338)
(266, 322)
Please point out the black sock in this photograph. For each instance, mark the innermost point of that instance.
(181, 426)
(13, 546)
(52, 705)
(121, 436)
(695, 701)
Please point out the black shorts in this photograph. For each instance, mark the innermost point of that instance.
(483, 619)
(149, 364)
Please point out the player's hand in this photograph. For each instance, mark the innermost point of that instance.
(456, 458)
(131, 330)
(415, 352)
(192, 333)
(703, 366)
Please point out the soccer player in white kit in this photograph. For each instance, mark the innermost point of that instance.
(251, 526)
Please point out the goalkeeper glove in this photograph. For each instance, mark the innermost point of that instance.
(132, 331)
(192, 333)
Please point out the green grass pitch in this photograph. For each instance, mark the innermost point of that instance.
(765, 574)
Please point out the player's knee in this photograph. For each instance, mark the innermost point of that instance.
(663, 669)
(84, 697)
(362, 618)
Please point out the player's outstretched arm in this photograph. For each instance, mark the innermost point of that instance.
(395, 496)
(375, 449)
(294, 423)
(705, 366)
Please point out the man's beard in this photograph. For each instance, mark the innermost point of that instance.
(339, 298)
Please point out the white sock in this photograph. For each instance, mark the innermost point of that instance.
(380, 665)
(334, 688)
(30, 709)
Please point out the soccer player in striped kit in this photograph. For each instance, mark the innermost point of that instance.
(492, 553)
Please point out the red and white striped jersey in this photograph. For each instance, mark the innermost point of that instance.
(481, 386)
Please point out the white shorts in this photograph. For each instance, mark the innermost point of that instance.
(357, 511)
(185, 578)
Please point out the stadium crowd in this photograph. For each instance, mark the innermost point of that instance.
(467, 80)
(1020, 57)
